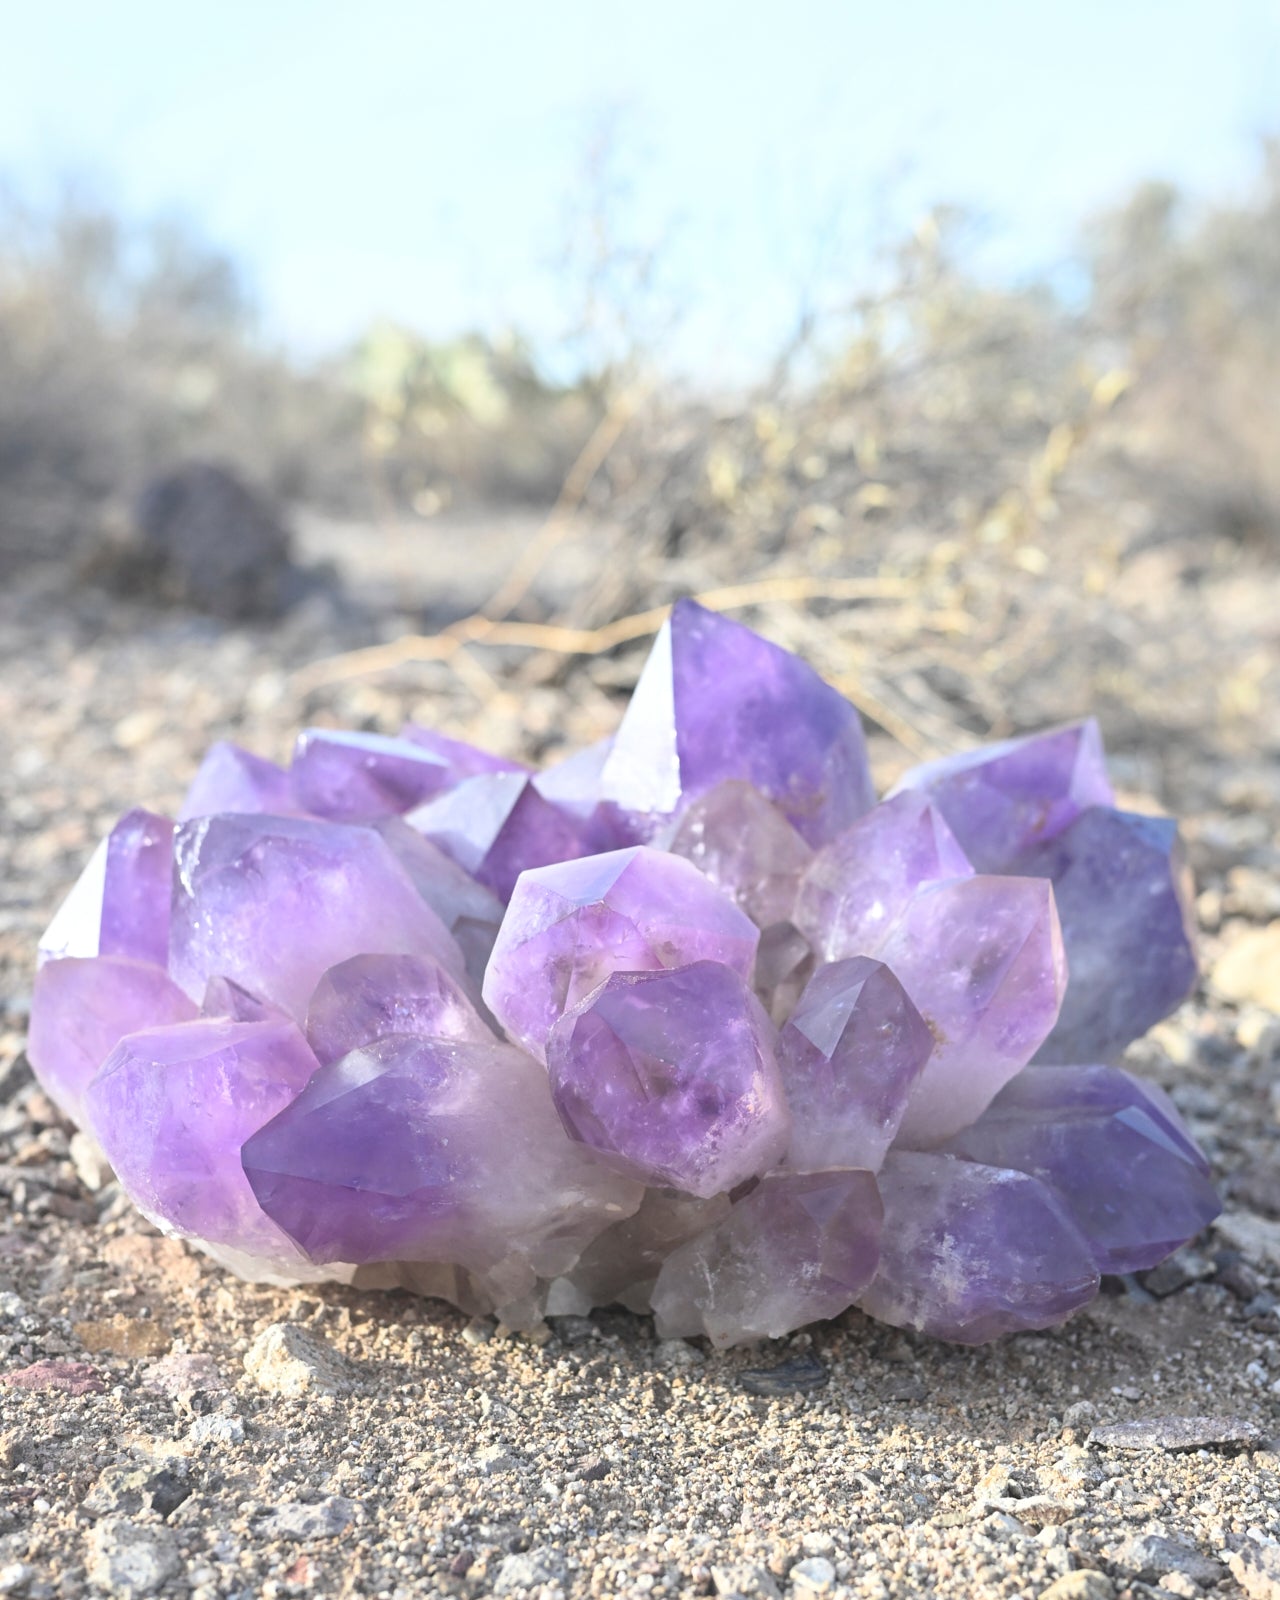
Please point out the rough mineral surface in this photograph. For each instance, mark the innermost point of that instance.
(687, 1022)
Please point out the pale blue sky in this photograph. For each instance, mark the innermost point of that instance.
(421, 159)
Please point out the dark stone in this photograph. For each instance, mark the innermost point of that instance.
(798, 1376)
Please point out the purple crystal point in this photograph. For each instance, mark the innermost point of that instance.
(464, 760)
(172, 1107)
(359, 777)
(1125, 900)
(671, 1077)
(798, 1247)
(982, 960)
(745, 846)
(860, 884)
(497, 825)
(434, 1150)
(569, 926)
(714, 702)
(119, 906)
(850, 1055)
(1115, 1154)
(230, 779)
(970, 1252)
(573, 786)
(369, 997)
(471, 912)
(80, 1011)
(273, 903)
(1002, 799)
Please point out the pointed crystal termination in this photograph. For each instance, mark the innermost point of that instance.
(671, 1078)
(573, 785)
(982, 960)
(80, 1011)
(797, 1248)
(370, 997)
(471, 912)
(273, 903)
(569, 926)
(393, 1154)
(497, 825)
(850, 1054)
(231, 780)
(172, 1107)
(360, 777)
(971, 1252)
(120, 904)
(746, 847)
(1126, 903)
(715, 702)
(860, 884)
(1113, 1151)
(1003, 799)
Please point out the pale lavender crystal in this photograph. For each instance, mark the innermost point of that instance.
(273, 903)
(849, 1055)
(1112, 1149)
(623, 1262)
(225, 998)
(369, 997)
(230, 779)
(1002, 799)
(80, 1011)
(671, 1077)
(569, 926)
(119, 906)
(496, 825)
(715, 702)
(797, 1248)
(471, 912)
(172, 1107)
(784, 964)
(745, 846)
(359, 777)
(1125, 900)
(860, 884)
(464, 760)
(970, 1252)
(434, 1150)
(982, 961)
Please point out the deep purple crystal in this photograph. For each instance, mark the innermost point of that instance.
(716, 702)
(359, 777)
(496, 825)
(120, 904)
(671, 1077)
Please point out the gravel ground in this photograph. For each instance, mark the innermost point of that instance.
(165, 1429)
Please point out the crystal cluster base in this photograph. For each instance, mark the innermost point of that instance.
(688, 1022)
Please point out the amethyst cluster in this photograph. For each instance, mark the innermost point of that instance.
(689, 1021)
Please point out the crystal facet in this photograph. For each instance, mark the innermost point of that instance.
(120, 905)
(234, 780)
(359, 777)
(496, 825)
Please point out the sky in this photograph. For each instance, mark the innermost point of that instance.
(430, 162)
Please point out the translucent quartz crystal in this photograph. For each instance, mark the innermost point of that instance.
(119, 906)
(671, 1077)
(359, 777)
(715, 701)
(569, 926)
(496, 825)
(172, 1107)
(850, 1054)
(684, 1021)
(982, 960)
(860, 884)
(275, 902)
(80, 1011)
(970, 1252)
(230, 779)
(1003, 799)
(369, 997)
(745, 846)
(795, 1249)
(434, 1150)
(1113, 1150)
(1125, 901)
